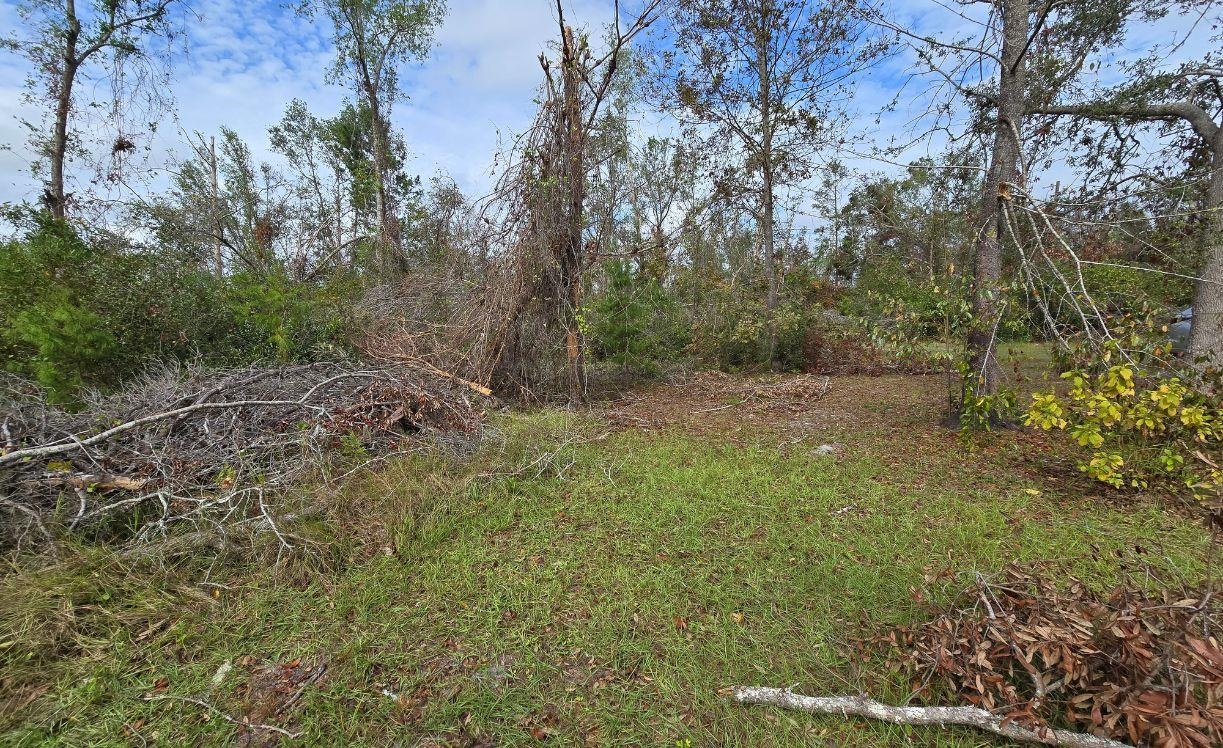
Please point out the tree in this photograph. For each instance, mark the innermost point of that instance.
(220, 197)
(64, 45)
(373, 39)
(544, 194)
(768, 75)
(998, 77)
(1191, 97)
(1003, 172)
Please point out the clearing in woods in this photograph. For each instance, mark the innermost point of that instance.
(584, 578)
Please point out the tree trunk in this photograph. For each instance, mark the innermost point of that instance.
(1003, 172)
(571, 252)
(218, 266)
(56, 197)
(388, 237)
(1206, 335)
(768, 208)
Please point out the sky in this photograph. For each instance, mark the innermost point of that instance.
(247, 59)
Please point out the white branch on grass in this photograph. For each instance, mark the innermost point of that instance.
(240, 722)
(968, 716)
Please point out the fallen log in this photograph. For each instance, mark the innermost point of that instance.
(860, 706)
(95, 481)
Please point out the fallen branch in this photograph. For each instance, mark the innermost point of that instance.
(95, 481)
(69, 445)
(860, 706)
(239, 722)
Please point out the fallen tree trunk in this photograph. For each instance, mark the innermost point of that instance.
(969, 716)
(95, 481)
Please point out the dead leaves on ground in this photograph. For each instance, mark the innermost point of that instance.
(1129, 665)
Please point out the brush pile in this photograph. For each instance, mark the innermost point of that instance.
(1146, 669)
(187, 445)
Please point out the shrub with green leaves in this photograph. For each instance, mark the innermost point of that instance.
(276, 318)
(1138, 430)
(80, 314)
(633, 322)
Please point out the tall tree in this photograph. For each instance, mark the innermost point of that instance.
(1186, 106)
(1002, 175)
(997, 75)
(65, 45)
(769, 75)
(373, 40)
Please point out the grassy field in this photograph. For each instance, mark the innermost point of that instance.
(594, 578)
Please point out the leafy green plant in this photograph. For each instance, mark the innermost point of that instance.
(982, 412)
(1138, 429)
(633, 322)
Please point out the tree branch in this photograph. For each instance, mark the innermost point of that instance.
(969, 716)
(1198, 118)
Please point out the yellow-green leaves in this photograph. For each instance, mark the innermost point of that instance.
(1137, 427)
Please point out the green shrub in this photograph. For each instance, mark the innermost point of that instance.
(732, 331)
(1137, 430)
(79, 314)
(633, 321)
(276, 318)
(1120, 291)
(896, 303)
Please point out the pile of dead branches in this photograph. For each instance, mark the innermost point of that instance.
(192, 446)
(850, 353)
(1128, 665)
(774, 392)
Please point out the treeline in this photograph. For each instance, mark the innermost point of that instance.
(730, 244)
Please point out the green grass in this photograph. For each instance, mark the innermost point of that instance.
(603, 593)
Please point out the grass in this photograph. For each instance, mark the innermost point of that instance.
(600, 587)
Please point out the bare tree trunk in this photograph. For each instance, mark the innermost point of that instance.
(768, 208)
(1003, 172)
(55, 197)
(1206, 335)
(571, 252)
(388, 237)
(218, 266)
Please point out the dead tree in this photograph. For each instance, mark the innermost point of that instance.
(533, 301)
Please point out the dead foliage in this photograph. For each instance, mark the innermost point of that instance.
(273, 695)
(792, 393)
(840, 352)
(191, 446)
(1129, 665)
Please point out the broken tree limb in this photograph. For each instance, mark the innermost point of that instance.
(68, 446)
(94, 481)
(968, 716)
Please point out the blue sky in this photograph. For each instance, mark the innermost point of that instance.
(246, 59)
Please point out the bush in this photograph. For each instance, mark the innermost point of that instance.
(1132, 291)
(731, 334)
(899, 305)
(274, 317)
(634, 323)
(80, 315)
(1138, 430)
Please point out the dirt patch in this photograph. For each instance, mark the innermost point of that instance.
(713, 402)
(272, 695)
